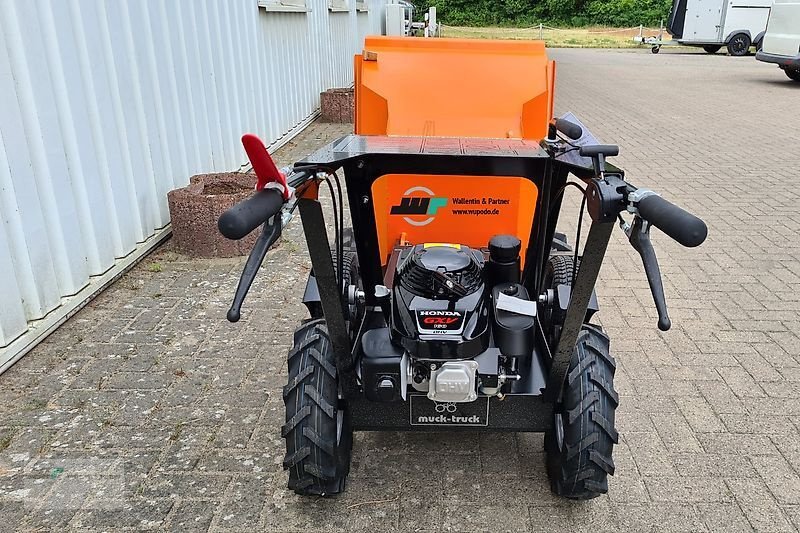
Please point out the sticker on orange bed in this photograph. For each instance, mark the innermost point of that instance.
(467, 210)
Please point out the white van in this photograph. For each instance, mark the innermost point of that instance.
(712, 24)
(782, 40)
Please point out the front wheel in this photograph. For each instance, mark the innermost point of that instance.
(319, 437)
(580, 442)
(739, 45)
(793, 73)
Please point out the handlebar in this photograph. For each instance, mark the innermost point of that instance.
(249, 214)
(571, 130)
(682, 226)
(594, 150)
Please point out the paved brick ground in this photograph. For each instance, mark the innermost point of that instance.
(148, 411)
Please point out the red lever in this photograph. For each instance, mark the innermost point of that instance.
(263, 165)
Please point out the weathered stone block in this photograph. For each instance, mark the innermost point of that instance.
(337, 105)
(194, 210)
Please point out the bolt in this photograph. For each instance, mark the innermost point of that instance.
(433, 366)
(360, 164)
(365, 199)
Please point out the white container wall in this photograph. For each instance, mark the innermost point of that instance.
(106, 105)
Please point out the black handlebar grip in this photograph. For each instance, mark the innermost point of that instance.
(592, 150)
(682, 226)
(249, 214)
(571, 130)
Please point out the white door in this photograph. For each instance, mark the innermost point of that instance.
(746, 15)
(703, 18)
(783, 31)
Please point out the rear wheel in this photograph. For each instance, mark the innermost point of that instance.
(558, 271)
(793, 73)
(712, 49)
(352, 285)
(739, 45)
(580, 443)
(319, 437)
(351, 276)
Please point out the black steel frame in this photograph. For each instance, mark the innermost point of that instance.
(363, 168)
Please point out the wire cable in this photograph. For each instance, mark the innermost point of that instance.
(340, 235)
(339, 270)
(578, 240)
(338, 211)
(570, 184)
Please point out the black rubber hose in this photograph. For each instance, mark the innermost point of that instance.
(249, 214)
(682, 226)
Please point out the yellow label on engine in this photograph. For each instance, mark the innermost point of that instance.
(448, 244)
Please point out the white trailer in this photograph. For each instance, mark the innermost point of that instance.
(712, 24)
(399, 17)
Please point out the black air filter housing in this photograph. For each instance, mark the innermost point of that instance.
(441, 271)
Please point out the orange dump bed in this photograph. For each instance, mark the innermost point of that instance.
(453, 88)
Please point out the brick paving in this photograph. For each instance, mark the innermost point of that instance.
(148, 411)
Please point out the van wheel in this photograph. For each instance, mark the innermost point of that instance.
(793, 73)
(712, 49)
(739, 45)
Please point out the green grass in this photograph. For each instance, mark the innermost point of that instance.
(591, 37)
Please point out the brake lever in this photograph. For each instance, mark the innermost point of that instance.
(269, 234)
(639, 236)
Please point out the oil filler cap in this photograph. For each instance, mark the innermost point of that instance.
(512, 289)
(504, 248)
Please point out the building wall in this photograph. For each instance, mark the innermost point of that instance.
(106, 105)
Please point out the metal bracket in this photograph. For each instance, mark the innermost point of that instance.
(593, 253)
(634, 197)
(329, 291)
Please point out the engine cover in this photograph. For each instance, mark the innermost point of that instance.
(439, 302)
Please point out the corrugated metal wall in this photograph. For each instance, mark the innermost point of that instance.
(106, 105)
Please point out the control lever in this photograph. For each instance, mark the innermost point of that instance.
(269, 234)
(598, 154)
(639, 236)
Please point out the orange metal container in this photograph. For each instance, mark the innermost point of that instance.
(453, 88)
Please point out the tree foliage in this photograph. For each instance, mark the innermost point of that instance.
(619, 13)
